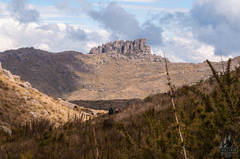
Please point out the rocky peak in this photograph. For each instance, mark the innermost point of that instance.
(127, 48)
(136, 49)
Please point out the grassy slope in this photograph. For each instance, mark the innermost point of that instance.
(207, 112)
(16, 103)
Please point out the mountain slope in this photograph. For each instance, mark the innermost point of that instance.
(103, 76)
(19, 102)
(50, 73)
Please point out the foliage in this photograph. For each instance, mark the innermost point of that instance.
(208, 112)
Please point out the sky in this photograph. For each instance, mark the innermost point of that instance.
(185, 30)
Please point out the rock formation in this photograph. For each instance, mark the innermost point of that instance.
(136, 49)
(127, 48)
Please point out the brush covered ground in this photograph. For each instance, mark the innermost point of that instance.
(207, 111)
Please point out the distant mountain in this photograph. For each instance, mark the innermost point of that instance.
(104, 74)
(49, 72)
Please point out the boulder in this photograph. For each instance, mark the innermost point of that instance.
(28, 84)
(6, 130)
(94, 50)
(8, 74)
(25, 85)
(16, 78)
(94, 113)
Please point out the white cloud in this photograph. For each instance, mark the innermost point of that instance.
(43, 46)
(51, 37)
(170, 56)
(184, 47)
(207, 52)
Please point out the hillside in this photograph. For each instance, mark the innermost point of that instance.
(208, 112)
(20, 103)
(105, 75)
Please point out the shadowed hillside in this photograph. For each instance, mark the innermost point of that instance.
(50, 73)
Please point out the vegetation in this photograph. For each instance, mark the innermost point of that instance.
(208, 112)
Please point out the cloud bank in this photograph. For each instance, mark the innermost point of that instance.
(214, 25)
(124, 25)
(193, 36)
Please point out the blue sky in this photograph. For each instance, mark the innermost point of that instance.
(186, 30)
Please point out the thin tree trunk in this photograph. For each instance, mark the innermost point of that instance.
(95, 142)
(175, 113)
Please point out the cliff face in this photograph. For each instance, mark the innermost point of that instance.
(127, 47)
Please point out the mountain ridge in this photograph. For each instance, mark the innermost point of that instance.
(104, 76)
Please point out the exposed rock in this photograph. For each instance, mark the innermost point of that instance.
(101, 90)
(34, 89)
(28, 84)
(84, 113)
(67, 104)
(132, 50)
(25, 85)
(33, 114)
(34, 101)
(16, 78)
(6, 130)
(94, 113)
(128, 47)
(8, 74)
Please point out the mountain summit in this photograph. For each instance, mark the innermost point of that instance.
(136, 49)
(127, 48)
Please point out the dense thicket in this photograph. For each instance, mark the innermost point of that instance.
(208, 112)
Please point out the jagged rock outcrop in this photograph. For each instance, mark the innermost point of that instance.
(128, 47)
(25, 85)
(136, 49)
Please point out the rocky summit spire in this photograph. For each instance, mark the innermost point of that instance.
(128, 47)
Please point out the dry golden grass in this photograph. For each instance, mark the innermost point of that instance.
(19, 105)
(127, 79)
